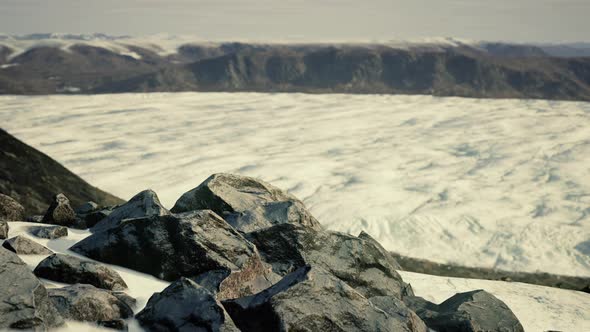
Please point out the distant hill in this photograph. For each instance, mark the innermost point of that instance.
(98, 64)
(32, 178)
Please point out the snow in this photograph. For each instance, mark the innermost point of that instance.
(538, 308)
(493, 183)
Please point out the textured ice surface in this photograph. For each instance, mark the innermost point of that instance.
(496, 183)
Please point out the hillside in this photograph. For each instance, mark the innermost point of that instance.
(489, 70)
(32, 178)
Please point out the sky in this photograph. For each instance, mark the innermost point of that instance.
(307, 20)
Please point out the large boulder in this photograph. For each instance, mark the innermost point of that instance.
(60, 212)
(89, 304)
(25, 246)
(11, 210)
(24, 303)
(397, 308)
(469, 312)
(170, 247)
(144, 204)
(311, 299)
(246, 203)
(86, 208)
(185, 306)
(360, 262)
(49, 232)
(4, 228)
(72, 270)
(90, 219)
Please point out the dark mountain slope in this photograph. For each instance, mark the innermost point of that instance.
(32, 178)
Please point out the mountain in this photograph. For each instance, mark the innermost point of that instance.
(32, 178)
(97, 64)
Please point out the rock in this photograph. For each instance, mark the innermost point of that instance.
(117, 324)
(311, 299)
(88, 304)
(144, 204)
(90, 219)
(60, 212)
(185, 306)
(49, 232)
(3, 229)
(24, 303)
(71, 270)
(470, 312)
(396, 308)
(34, 218)
(245, 203)
(25, 246)
(86, 208)
(361, 263)
(11, 210)
(170, 247)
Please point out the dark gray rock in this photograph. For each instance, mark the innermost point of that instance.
(4, 228)
(185, 306)
(117, 324)
(361, 263)
(86, 208)
(245, 203)
(92, 218)
(311, 299)
(144, 204)
(60, 212)
(469, 312)
(72, 270)
(25, 246)
(396, 308)
(24, 303)
(170, 247)
(34, 218)
(10, 209)
(49, 232)
(88, 304)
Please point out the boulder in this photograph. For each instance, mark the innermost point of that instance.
(11, 210)
(397, 308)
(35, 218)
(311, 299)
(72, 270)
(470, 312)
(86, 208)
(49, 232)
(87, 303)
(361, 263)
(174, 246)
(25, 246)
(24, 303)
(92, 218)
(144, 204)
(3, 229)
(245, 203)
(60, 212)
(185, 306)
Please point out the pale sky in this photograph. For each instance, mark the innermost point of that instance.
(311, 20)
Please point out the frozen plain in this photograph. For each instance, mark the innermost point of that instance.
(479, 182)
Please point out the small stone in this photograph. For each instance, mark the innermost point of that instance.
(49, 232)
(25, 246)
(60, 212)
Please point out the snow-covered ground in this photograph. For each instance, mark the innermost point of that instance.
(496, 183)
(538, 308)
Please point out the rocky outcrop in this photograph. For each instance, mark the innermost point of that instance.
(359, 261)
(4, 228)
(470, 312)
(170, 247)
(32, 178)
(49, 232)
(245, 203)
(60, 212)
(185, 306)
(311, 299)
(25, 246)
(144, 204)
(24, 303)
(89, 304)
(72, 270)
(10, 210)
